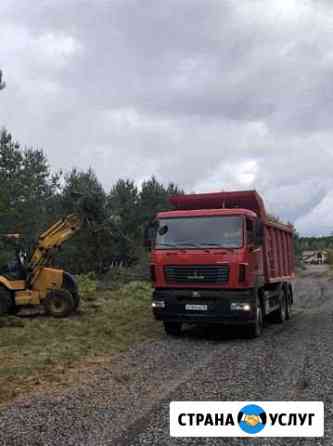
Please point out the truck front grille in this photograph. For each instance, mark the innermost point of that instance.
(210, 274)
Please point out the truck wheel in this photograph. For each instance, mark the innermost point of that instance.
(173, 328)
(281, 313)
(255, 330)
(58, 303)
(289, 306)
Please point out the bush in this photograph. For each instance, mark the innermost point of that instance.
(118, 276)
(87, 283)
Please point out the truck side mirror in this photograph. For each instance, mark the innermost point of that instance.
(259, 232)
(149, 234)
(146, 238)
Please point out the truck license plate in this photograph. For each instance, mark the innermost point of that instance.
(196, 307)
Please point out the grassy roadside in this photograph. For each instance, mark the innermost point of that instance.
(38, 352)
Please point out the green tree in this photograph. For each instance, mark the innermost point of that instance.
(130, 210)
(82, 193)
(32, 198)
(154, 198)
(27, 185)
(123, 205)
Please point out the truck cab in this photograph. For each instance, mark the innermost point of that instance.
(207, 265)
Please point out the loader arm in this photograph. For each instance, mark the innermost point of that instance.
(49, 242)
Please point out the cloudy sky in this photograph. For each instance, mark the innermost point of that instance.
(210, 94)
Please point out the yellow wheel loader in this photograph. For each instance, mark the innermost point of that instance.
(35, 282)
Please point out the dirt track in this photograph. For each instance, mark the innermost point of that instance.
(127, 404)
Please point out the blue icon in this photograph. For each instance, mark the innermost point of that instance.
(252, 419)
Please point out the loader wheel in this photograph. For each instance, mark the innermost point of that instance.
(6, 302)
(75, 296)
(59, 303)
(70, 285)
(76, 300)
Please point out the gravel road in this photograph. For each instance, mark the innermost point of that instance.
(127, 403)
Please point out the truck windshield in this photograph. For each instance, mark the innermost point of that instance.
(200, 232)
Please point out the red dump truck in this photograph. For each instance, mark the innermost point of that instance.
(218, 258)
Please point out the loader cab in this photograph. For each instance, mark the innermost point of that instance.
(13, 264)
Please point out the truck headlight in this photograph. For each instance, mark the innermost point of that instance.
(238, 306)
(158, 304)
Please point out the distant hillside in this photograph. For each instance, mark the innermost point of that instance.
(314, 243)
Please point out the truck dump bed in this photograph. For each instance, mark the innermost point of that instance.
(278, 250)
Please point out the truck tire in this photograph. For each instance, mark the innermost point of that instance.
(255, 330)
(280, 315)
(58, 303)
(173, 328)
(289, 304)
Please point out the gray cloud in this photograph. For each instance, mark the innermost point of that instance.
(211, 95)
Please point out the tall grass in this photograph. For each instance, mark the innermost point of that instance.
(39, 352)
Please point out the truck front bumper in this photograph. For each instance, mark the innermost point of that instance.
(205, 306)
